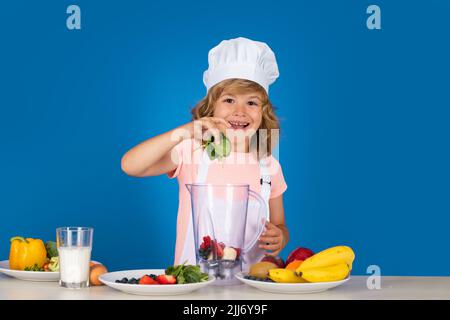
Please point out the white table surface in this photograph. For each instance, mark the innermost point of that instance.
(392, 288)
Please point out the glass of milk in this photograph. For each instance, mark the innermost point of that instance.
(74, 249)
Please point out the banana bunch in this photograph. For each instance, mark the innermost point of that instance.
(285, 276)
(332, 264)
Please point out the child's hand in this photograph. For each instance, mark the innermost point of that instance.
(212, 125)
(271, 239)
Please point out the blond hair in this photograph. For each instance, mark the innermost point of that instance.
(205, 108)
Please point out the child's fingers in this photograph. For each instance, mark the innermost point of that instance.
(221, 121)
(270, 225)
(220, 124)
(271, 233)
(211, 130)
(271, 247)
(268, 239)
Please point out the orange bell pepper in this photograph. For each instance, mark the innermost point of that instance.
(27, 253)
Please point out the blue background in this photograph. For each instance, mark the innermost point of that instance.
(364, 117)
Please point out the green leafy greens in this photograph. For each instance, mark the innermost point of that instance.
(187, 273)
(218, 150)
(54, 264)
(34, 268)
(52, 251)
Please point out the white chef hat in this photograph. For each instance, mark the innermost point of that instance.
(241, 58)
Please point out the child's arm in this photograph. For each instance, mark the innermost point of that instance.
(276, 235)
(154, 156)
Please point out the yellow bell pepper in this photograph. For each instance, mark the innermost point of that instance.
(26, 253)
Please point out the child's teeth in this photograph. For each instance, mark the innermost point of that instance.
(238, 124)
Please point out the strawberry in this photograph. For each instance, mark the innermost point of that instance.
(147, 280)
(165, 279)
(219, 248)
(238, 252)
(206, 243)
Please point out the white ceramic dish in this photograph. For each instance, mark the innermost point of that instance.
(292, 288)
(169, 289)
(29, 275)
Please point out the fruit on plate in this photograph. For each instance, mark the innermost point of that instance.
(147, 280)
(27, 253)
(261, 269)
(332, 264)
(277, 260)
(166, 279)
(178, 274)
(95, 271)
(326, 274)
(328, 257)
(285, 276)
(299, 254)
(294, 265)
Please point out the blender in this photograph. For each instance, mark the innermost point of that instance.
(224, 231)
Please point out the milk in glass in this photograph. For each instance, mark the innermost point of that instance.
(74, 264)
(74, 248)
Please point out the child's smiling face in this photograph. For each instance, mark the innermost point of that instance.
(242, 111)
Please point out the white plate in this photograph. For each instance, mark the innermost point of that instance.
(274, 287)
(155, 289)
(30, 275)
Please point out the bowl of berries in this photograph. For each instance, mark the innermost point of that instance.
(174, 280)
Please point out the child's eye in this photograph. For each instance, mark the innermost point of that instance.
(252, 103)
(229, 100)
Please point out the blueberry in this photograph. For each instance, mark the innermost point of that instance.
(133, 281)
